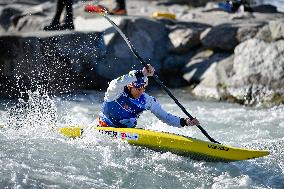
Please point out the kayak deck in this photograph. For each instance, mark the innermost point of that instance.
(181, 145)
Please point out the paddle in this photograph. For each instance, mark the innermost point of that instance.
(154, 76)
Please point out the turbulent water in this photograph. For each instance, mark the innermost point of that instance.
(34, 155)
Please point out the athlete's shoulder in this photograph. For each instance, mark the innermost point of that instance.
(147, 96)
(150, 100)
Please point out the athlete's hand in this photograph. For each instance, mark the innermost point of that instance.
(148, 71)
(192, 122)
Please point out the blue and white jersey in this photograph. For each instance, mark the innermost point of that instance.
(121, 110)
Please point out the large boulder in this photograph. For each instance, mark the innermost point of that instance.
(29, 24)
(272, 31)
(84, 59)
(54, 62)
(148, 37)
(259, 63)
(277, 29)
(264, 34)
(212, 82)
(184, 36)
(196, 65)
(6, 14)
(255, 74)
(171, 70)
(227, 36)
(265, 8)
(15, 12)
(246, 32)
(183, 40)
(220, 37)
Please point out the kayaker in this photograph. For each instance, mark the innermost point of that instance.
(125, 99)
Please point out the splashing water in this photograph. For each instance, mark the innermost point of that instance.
(31, 159)
(38, 113)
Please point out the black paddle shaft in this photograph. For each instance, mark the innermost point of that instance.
(182, 108)
(156, 77)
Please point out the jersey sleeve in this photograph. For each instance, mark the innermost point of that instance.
(160, 113)
(116, 86)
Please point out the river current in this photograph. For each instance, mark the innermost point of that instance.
(34, 155)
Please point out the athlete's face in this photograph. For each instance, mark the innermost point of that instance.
(137, 92)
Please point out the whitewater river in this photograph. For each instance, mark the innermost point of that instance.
(36, 156)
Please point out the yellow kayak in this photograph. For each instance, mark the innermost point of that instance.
(186, 146)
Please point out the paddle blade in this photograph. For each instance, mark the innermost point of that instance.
(95, 9)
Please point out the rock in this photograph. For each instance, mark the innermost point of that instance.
(148, 37)
(277, 29)
(255, 74)
(227, 36)
(21, 17)
(183, 40)
(211, 6)
(52, 62)
(34, 10)
(29, 23)
(171, 70)
(197, 69)
(246, 32)
(257, 62)
(61, 60)
(5, 16)
(174, 63)
(220, 37)
(2, 30)
(242, 16)
(28, 2)
(213, 80)
(258, 71)
(264, 34)
(273, 31)
(265, 9)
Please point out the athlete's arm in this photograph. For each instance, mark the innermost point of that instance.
(168, 118)
(160, 113)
